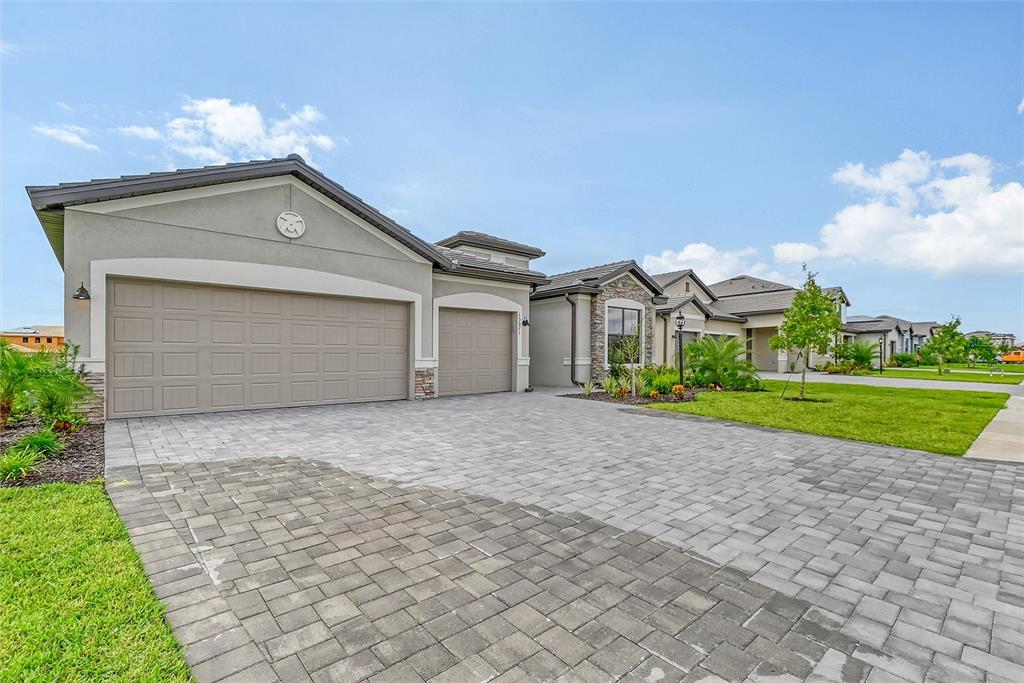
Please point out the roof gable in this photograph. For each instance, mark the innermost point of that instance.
(666, 280)
(472, 238)
(590, 280)
(50, 201)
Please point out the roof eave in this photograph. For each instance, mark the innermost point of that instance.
(526, 251)
(526, 278)
(562, 291)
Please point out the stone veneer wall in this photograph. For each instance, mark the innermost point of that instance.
(94, 405)
(424, 384)
(624, 287)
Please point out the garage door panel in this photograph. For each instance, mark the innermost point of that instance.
(475, 351)
(171, 346)
(133, 329)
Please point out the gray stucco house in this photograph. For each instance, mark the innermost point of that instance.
(267, 284)
(577, 316)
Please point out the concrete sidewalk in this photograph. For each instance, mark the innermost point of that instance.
(1003, 438)
(897, 383)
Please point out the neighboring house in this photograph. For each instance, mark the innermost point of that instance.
(997, 338)
(35, 337)
(580, 316)
(922, 333)
(267, 284)
(744, 306)
(890, 335)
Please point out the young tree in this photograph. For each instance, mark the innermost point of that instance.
(980, 349)
(810, 323)
(631, 348)
(947, 343)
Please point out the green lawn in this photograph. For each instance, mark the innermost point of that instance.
(925, 419)
(900, 373)
(75, 604)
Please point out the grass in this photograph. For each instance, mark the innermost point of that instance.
(899, 373)
(925, 419)
(75, 604)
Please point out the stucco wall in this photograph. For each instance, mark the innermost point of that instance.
(236, 224)
(678, 288)
(550, 333)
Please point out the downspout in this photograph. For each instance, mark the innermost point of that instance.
(572, 342)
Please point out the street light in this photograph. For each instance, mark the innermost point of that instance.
(881, 353)
(680, 323)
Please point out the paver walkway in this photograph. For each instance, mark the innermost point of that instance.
(899, 382)
(1003, 438)
(902, 565)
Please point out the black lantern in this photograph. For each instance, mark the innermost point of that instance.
(82, 294)
(680, 324)
(881, 354)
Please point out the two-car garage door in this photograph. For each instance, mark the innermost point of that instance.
(185, 348)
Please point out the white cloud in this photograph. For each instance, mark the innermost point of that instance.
(1020, 107)
(216, 131)
(944, 217)
(7, 48)
(142, 132)
(711, 264)
(66, 133)
(65, 106)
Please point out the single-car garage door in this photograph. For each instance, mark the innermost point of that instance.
(475, 352)
(185, 348)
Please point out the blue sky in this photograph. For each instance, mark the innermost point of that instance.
(881, 143)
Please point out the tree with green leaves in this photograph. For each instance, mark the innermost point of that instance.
(980, 350)
(811, 323)
(631, 347)
(948, 343)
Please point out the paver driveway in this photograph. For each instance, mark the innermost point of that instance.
(541, 537)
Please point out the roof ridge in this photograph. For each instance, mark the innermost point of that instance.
(602, 265)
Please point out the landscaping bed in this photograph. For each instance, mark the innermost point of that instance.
(935, 420)
(80, 461)
(689, 395)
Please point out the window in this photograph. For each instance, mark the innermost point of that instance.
(621, 323)
(49, 340)
(687, 283)
(38, 340)
(24, 340)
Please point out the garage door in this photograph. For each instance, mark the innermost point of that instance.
(185, 348)
(475, 352)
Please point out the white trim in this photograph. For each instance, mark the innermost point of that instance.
(566, 361)
(238, 274)
(156, 199)
(479, 301)
(632, 304)
(465, 279)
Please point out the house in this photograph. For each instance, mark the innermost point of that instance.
(267, 284)
(997, 338)
(891, 335)
(922, 333)
(36, 337)
(579, 317)
(744, 306)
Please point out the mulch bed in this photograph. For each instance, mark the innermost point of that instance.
(690, 395)
(79, 462)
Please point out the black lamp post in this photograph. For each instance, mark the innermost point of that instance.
(680, 323)
(881, 354)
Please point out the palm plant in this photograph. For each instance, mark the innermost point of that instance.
(859, 353)
(718, 361)
(46, 378)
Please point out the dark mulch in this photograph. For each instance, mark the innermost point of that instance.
(80, 461)
(690, 395)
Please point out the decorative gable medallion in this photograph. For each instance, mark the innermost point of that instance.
(291, 225)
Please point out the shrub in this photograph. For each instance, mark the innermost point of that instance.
(679, 390)
(588, 387)
(68, 422)
(903, 360)
(641, 386)
(46, 381)
(617, 367)
(654, 394)
(609, 385)
(716, 361)
(622, 391)
(18, 461)
(664, 383)
(857, 353)
(44, 441)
